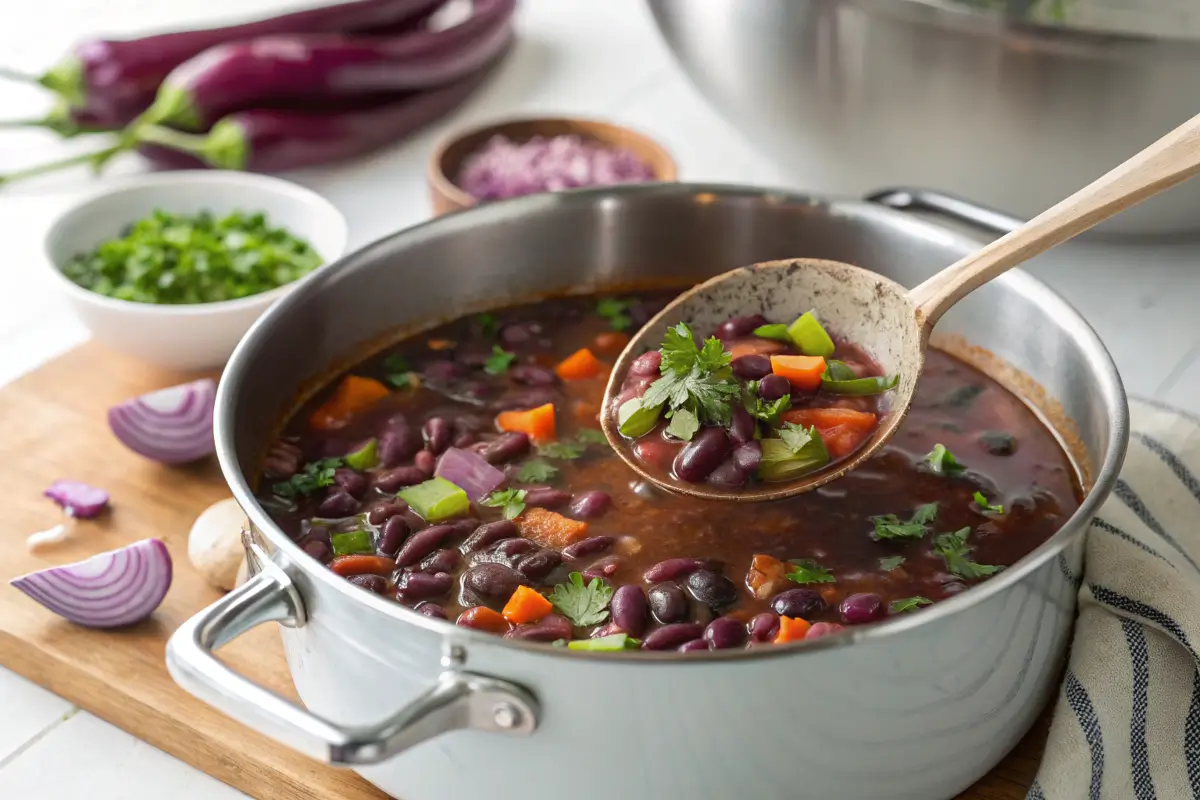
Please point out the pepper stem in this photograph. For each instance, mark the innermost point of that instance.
(223, 147)
(58, 119)
(9, 74)
(97, 157)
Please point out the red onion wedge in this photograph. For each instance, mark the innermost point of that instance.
(108, 590)
(171, 426)
(78, 499)
(469, 471)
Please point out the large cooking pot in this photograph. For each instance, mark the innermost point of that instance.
(915, 708)
(847, 94)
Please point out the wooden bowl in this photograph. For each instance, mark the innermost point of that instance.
(448, 158)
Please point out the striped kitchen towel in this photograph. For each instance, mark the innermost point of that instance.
(1127, 719)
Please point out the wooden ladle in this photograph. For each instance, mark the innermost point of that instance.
(890, 322)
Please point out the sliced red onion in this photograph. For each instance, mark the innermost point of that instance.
(469, 471)
(77, 498)
(172, 426)
(108, 590)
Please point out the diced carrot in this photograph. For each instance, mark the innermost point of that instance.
(482, 618)
(526, 605)
(804, 372)
(761, 347)
(791, 629)
(549, 528)
(440, 344)
(346, 566)
(766, 577)
(610, 343)
(579, 365)
(843, 430)
(352, 395)
(537, 423)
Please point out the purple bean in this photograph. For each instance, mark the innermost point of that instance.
(803, 603)
(549, 628)
(463, 440)
(603, 569)
(672, 569)
(727, 475)
(422, 586)
(539, 565)
(520, 332)
(436, 433)
(752, 367)
(589, 547)
(354, 483)
(702, 455)
(737, 327)
(489, 584)
(764, 627)
(590, 504)
(432, 610)
(397, 445)
(383, 511)
(668, 603)
(445, 560)
(861, 608)
(392, 536)
(669, 637)
(773, 387)
(426, 462)
(509, 549)
(475, 356)
(317, 549)
(630, 610)
(532, 375)
(505, 447)
(820, 629)
(725, 632)
(422, 543)
(338, 503)
(646, 364)
(318, 533)
(372, 583)
(693, 646)
(711, 588)
(396, 479)
(443, 370)
(742, 426)
(747, 456)
(546, 497)
(488, 534)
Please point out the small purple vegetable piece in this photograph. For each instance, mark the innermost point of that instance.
(78, 499)
(470, 472)
(171, 426)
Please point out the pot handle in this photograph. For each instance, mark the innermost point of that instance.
(458, 700)
(947, 205)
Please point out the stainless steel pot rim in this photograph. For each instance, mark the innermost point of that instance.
(242, 360)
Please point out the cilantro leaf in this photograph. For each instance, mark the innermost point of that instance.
(943, 462)
(397, 370)
(907, 604)
(985, 506)
(511, 501)
(488, 324)
(805, 570)
(796, 436)
(573, 448)
(499, 361)
(775, 330)
(954, 550)
(616, 312)
(925, 514)
(768, 411)
(696, 378)
(591, 436)
(315, 475)
(583, 605)
(536, 470)
(889, 526)
(891, 562)
(684, 424)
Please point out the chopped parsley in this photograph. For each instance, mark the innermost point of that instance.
(954, 550)
(774, 330)
(315, 475)
(768, 411)
(499, 361)
(891, 562)
(536, 470)
(985, 506)
(796, 436)
(591, 436)
(942, 461)
(616, 312)
(805, 570)
(889, 526)
(398, 371)
(907, 604)
(583, 605)
(925, 514)
(510, 501)
(696, 379)
(573, 448)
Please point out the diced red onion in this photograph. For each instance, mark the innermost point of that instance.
(77, 498)
(172, 426)
(108, 590)
(503, 168)
(469, 471)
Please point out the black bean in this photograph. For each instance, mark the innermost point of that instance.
(747, 456)
(752, 367)
(549, 628)
(712, 588)
(397, 445)
(800, 602)
(960, 396)
(742, 426)
(861, 608)
(646, 364)
(422, 543)
(392, 535)
(532, 375)
(774, 387)
(372, 583)
(396, 479)
(423, 586)
(426, 462)
(737, 327)
(436, 432)
(764, 626)
(338, 503)
(727, 475)
(630, 609)
(444, 560)
(672, 569)
(671, 636)
(505, 447)
(701, 455)
(383, 511)
(546, 497)
(668, 603)
(590, 504)
(725, 632)
(432, 610)
(317, 549)
(354, 483)
(488, 534)
(537, 566)
(589, 547)
(998, 443)
(489, 584)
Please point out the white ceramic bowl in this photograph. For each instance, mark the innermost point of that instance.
(185, 337)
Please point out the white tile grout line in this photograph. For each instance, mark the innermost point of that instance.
(37, 737)
(1192, 356)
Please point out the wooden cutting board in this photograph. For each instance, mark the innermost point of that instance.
(54, 426)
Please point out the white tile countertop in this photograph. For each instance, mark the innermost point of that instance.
(595, 58)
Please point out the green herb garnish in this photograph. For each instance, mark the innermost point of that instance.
(488, 324)
(943, 462)
(925, 514)
(170, 258)
(907, 604)
(889, 526)
(954, 550)
(683, 425)
(891, 562)
(499, 361)
(616, 312)
(985, 506)
(573, 448)
(398, 372)
(315, 475)
(511, 501)
(583, 605)
(606, 644)
(536, 470)
(805, 570)
(694, 378)
(768, 411)
(591, 436)
(774, 330)
(352, 543)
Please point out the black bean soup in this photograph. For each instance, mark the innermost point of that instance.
(463, 474)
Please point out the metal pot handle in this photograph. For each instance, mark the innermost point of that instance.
(956, 208)
(458, 700)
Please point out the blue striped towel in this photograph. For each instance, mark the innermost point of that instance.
(1127, 719)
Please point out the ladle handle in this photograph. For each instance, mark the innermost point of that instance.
(1169, 161)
